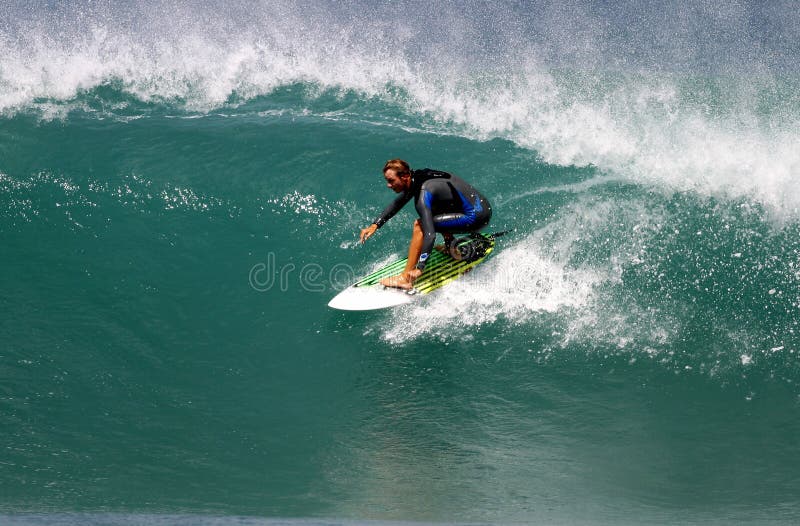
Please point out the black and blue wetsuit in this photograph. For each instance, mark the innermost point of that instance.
(445, 203)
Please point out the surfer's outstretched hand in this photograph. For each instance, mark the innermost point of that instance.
(366, 233)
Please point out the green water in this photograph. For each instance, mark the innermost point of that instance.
(627, 355)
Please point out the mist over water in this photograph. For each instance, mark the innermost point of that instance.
(631, 346)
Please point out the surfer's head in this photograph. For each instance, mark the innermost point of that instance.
(397, 174)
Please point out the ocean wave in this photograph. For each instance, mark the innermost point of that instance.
(729, 133)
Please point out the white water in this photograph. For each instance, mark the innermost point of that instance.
(714, 116)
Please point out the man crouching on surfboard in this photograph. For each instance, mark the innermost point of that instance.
(445, 204)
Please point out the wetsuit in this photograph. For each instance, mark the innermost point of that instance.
(445, 203)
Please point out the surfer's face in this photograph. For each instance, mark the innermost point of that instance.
(398, 183)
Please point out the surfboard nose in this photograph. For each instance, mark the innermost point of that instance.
(370, 298)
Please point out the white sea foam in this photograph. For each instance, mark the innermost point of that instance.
(533, 275)
(728, 132)
(546, 278)
(516, 285)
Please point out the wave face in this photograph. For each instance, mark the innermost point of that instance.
(181, 188)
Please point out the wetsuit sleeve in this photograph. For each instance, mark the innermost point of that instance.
(426, 222)
(393, 208)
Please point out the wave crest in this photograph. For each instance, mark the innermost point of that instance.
(676, 125)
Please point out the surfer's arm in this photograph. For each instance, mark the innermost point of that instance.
(386, 215)
(392, 209)
(428, 231)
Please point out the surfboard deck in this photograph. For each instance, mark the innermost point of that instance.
(368, 294)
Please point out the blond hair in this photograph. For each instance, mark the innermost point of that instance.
(398, 165)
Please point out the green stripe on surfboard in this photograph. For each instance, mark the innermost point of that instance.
(448, 273)
(440, 270)
(388, 270)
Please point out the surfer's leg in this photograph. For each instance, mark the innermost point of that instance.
(448, 237)
(402, 281)
(459, 223)
(415, 248)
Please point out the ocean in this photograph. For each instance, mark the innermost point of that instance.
(182, 185)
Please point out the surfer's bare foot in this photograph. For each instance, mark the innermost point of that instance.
(441, 248)
(398, 282)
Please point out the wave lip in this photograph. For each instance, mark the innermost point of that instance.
(724, 124)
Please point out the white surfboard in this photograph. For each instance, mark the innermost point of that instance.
(370, 298)
(368, 294)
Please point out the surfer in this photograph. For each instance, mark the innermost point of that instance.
(445, 203)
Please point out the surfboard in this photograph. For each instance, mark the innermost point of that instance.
(368, 294)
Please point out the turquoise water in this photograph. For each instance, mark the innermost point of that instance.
(181, 191)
